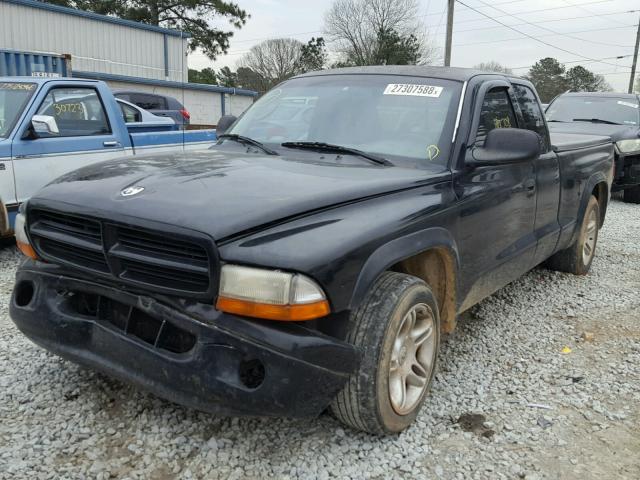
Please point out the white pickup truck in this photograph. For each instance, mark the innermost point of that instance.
(49, 127)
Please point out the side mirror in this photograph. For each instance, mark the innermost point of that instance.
(224, 123)
(507, 145)
(44, 125)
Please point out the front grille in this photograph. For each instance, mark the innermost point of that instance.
(160, 261)
(132, 321)
(68, 238)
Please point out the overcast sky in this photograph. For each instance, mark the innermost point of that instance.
(573, 30)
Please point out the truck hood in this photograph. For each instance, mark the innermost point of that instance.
(616, 132)
(220, 193)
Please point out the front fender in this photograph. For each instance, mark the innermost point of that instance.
(346, 248)
(397, 250)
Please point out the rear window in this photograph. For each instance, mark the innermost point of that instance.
(148, 101)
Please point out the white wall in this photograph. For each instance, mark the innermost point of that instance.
(95, 46)
(204, 107)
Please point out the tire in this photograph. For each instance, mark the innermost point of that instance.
(367, 403)
(577, 258)
(632, 195)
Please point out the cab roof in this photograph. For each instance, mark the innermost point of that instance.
(40, 80)
(447, 73)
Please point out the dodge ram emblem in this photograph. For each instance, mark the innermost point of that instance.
(129, 191)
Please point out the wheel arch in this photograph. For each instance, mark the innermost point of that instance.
(430, 255)
(600, 190)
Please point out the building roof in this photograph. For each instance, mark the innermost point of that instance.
(100, 18)
(449, 73)
(163, 83)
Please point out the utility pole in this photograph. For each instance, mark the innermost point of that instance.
(635, 60)
(447, 48)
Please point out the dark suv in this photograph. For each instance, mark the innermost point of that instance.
(161, 105)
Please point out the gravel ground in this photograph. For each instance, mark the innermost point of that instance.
(542, 380)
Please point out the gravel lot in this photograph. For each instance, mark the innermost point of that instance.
(506, 403)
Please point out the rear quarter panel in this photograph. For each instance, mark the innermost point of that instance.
(581, 169)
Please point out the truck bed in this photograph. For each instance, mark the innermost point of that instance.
(563, 142)
(156, 141)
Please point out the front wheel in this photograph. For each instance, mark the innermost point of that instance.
(578, 257)
(397, 328)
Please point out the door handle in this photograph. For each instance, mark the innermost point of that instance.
(110, 144)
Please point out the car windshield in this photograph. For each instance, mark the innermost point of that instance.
(569, 108)
(13, 98)
(404, 119)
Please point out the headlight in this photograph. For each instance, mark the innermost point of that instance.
(628, 146)
(270, 294)
(21, 233)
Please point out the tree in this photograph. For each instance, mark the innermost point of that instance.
(547, 75)
(579, 79)
(364, 32)
(313, 55)
(493, 66)
(272, 61)
(227, 78)
(206, 75)
(191, 16)
(551, 78)
(637, 89)
(392, 49)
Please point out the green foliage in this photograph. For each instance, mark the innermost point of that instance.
(551, 78)
(394, 49)
(548, 76)
(227, 78)
(194, 17)
(579, 79)
(313, 55)
(206, 75)
(637, 87)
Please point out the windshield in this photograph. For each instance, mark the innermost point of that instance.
(610, 109)
(410, 122)
(13, 98)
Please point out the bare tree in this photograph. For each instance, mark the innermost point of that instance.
(355, 27)
(273, 61)
(493, 66)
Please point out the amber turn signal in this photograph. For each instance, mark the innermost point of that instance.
(285, 313)
(27, 249)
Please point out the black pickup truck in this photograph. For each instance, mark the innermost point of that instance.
(616, 115)
(313, 256)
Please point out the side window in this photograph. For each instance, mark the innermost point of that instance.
(149, 101)
(77, 111)
(533, 116)
(129, 114)
(496, 112)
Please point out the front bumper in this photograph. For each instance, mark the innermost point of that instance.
(183, 351)
(627, 171)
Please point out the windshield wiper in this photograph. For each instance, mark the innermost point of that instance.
(559, 121)
(596, 120)
(329, 147)
(248, 141)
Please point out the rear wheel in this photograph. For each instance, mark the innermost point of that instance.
(397, 328)
(632, 195)
(578, 257)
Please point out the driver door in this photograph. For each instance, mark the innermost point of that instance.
(85, 137)
(497, 207)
